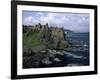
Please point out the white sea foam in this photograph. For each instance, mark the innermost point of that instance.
(75, 64)
(74, 55)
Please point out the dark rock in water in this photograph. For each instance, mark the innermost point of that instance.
(46, 61)
(57, 60)
(44, 57)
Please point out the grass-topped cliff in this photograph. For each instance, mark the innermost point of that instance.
(43, 35)
(38, 40)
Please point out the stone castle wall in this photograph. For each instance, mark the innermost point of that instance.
(57, 33)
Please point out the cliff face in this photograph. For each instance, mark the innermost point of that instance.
(42, 43)
(58, 33)
(52, 37)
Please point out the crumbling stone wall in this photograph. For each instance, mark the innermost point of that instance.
(57, 33)
(51, 34)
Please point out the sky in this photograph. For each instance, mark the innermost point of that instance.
(79, 22)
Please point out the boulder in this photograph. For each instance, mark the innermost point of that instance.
(57, 60)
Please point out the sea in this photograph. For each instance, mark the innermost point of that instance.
(78, 56)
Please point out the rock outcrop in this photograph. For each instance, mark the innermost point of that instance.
(54, 36)
(45, 46)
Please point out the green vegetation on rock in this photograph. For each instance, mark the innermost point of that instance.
(51, 37)
(31, 40)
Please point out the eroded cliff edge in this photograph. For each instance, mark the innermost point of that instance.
(43, 45)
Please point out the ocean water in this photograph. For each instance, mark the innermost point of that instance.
(78, 37)
(78, 56)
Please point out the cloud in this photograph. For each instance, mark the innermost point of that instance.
(30, 20)
(72, 21)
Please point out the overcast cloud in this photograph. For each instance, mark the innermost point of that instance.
(73, 21)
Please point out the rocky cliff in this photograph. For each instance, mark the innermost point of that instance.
(54, 36)
(41, 43)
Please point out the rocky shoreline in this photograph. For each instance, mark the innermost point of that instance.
(44, 57)
(45, 46)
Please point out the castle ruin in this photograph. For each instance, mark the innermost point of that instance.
(57, 33)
